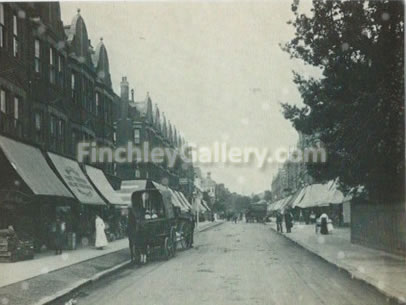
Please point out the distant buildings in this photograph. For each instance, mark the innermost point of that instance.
(292, 176)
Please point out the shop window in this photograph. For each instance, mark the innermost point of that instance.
(52, 67)
(15, 36)
(37, 56)
(2, 30)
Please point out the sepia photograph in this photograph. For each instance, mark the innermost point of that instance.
(202, 152)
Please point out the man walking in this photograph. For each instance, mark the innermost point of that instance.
(288, 221)
(279, 222)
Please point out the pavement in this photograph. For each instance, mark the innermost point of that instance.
(49, 276)
(236, 264)
(383, 271)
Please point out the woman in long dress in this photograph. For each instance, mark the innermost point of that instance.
(101, 240)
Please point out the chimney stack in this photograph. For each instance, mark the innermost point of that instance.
(124, 97)
(124, 88)
(132, 95)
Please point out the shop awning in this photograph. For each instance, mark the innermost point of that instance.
(103, 185)
(319, 195)
(298, 198)
(32, 167)
(76, 180)
(183, 197)
(176, 201)
(202, 206)
(206, 205)
(280, 204)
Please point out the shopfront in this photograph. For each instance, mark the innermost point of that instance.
(91, 204)
(117, 212)
(30, 193)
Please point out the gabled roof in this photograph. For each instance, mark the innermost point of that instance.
(157, 118)
(78, 38)
(175, 137)
(170, 135)
(101, 63)
(164, 126)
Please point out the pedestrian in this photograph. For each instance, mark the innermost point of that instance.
(279, 218)
(101, 240)
(323, 224)
(312, 217)
(59, 236)
(288, 221)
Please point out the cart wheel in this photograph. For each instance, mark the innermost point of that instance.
(185, 231)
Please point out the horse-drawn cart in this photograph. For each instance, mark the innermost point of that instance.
(157, 223)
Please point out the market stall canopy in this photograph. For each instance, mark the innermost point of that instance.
(278, 204)
(298, 198)
(319, 195)
(289, 202)
(103, 185)
(76, 180)
(31, 165)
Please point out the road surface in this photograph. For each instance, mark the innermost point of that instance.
(233, 264)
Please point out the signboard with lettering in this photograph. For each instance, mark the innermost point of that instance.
(76, 180)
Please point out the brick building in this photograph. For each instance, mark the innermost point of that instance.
(55, 88)
(141, 123)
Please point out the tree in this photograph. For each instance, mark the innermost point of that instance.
(356, 108)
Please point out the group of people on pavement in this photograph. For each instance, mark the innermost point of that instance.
(323, 224)
(288, 217)
(59, 232)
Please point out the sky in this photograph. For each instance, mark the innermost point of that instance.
(214, 68)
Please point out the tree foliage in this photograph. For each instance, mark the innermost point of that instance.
(357, 107)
